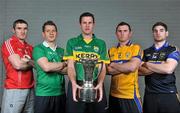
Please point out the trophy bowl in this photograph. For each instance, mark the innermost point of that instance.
(88, 94)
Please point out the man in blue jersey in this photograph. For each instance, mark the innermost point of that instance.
(160, 62)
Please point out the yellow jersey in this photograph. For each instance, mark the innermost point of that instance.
(125, 85)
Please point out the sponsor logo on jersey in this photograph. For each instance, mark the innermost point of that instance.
(85, 55)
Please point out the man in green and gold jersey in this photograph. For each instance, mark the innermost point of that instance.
(50, 94)
(85, 46)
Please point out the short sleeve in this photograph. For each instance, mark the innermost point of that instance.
(175, 55)
(8, 48)
(69, 51)
(38, 52)
(104, 54)
(137, 52)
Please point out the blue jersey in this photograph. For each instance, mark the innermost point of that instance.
(156, 82)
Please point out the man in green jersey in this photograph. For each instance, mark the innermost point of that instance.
(50, 84)
(85, 46)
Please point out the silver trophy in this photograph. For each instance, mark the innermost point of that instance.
(88, 94)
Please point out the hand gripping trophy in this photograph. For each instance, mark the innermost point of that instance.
(88, 94)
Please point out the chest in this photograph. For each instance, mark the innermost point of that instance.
(156, 55)
(123, 53)
(23, 50)
(54, 56)
(84, 50)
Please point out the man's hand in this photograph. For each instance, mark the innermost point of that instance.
(75, 88)
(26, 58)
(99, 89)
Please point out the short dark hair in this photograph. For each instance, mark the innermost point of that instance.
(160, 24)
(49, 22)
(86, 14)
(21, 21)
(123, 23)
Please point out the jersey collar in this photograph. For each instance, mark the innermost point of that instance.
(15, 38)
(47, 45)
(127, 44)
(166, 44)
(81, 36)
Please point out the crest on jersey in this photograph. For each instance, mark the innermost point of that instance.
(96, 49)
(127, 54)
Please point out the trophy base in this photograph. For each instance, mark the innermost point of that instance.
(88, 95)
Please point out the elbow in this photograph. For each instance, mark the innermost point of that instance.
(132, 68)
(45, 68)
(17, 66)
(169, 71)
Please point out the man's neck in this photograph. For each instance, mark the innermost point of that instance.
(124, 43)
(52, 44)
(21, 40)
(87, 36)
(159, 44)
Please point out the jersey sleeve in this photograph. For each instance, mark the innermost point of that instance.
(8, 48)
(104, 54)
(69, 51)
(137, 52)
(38, 53)
(175, 55)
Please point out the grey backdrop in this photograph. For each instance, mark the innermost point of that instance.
(140, 14)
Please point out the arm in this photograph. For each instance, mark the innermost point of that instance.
(63, 71)
(143, 70)
(99, 86)
(166, 67)
(50, 66)
(112, 71)
(127, 67)
(19, 63)
(72, 76)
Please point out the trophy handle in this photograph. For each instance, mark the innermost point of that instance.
(100, 68)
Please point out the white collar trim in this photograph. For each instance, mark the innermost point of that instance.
(47, 45)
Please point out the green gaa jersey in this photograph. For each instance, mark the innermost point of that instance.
(48, 83)
(77, 48)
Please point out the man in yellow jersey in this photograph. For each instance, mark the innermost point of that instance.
(125, 59)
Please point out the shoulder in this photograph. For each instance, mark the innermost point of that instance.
(38, 47)
(29, 46)
(9, 46)
(99, 40)
(60, 49)
(9, 42)
(173, 48)
(112, 49)
(100, 43)
(74, 39)
(149, 49)
(136, 46)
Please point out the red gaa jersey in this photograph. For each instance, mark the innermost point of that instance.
(16, 79)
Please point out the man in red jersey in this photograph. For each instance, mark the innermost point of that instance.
(17, 53)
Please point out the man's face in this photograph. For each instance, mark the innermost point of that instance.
(20, 31)
(123, 34)
(159, 33)
(49, 33)
(87, 25)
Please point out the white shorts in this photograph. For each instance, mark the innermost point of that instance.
(18, 101)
